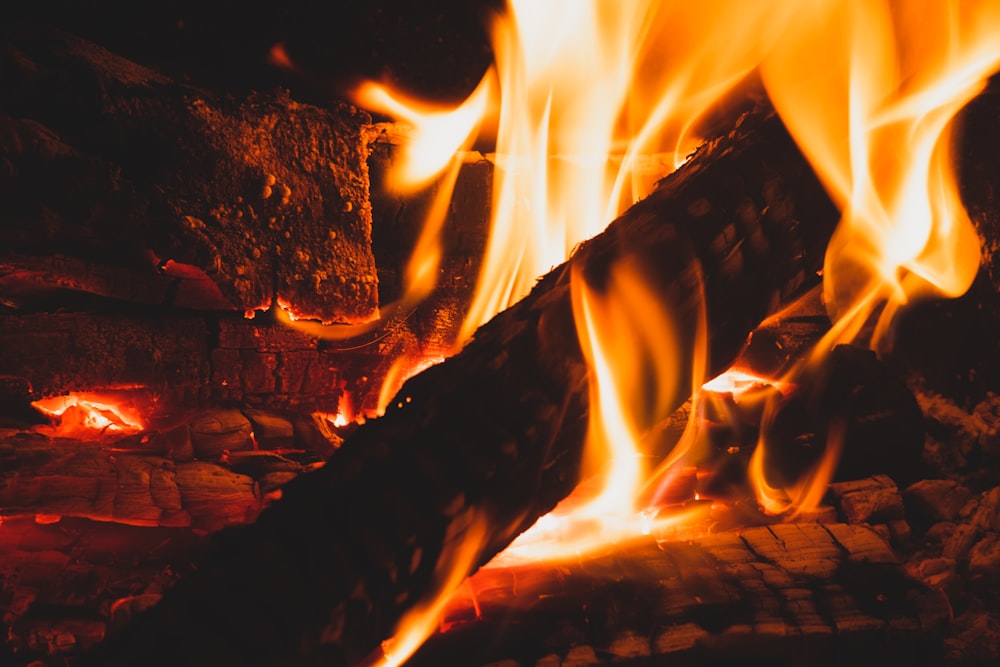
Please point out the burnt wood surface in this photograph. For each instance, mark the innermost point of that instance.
(111, 162)
(787, 594)
(491, 439)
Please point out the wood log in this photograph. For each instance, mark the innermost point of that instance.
(109, 161)
(793, 594)
(492, 438)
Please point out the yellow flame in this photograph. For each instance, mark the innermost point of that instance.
(581, 82)
(436, 134)
(632, 351)
(869, 89)
(463, 544)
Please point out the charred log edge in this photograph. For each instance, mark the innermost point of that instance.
(760, 592)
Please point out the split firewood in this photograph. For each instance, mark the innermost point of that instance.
(486, 442)
(111, 162)
(762, 593)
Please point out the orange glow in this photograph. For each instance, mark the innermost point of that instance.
(463, 543)
(869, 89)
(586, 88)
(633, 351)
(86, 414)
(402, 369)
(437, 134)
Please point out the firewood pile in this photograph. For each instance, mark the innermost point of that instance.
(246, 529)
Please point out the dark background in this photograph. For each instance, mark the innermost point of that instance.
(437, 49)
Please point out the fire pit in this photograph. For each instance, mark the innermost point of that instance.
(280, 383)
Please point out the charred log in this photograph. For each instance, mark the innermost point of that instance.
(491, 439)
(111, 162)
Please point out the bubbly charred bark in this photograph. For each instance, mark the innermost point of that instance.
(481, 445)
(113, 163)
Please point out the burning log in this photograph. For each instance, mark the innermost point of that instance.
(111, 162)
(477, 448)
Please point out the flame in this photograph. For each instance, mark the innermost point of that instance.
(437, 134)
(632, 350)
(868, 90)
(805, 494)
(464, 540)
(402, 369)
(581, 82)
(86, 414)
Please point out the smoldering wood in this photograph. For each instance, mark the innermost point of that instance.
(800, 594)
(110, 162)
(214, 469)
(495, 434)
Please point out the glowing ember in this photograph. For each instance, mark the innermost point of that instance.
(82, 415)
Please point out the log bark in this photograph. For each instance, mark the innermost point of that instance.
(108, 161)
(491, 439)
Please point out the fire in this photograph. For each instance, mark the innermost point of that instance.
(580, 89)
(869, 90)
(581, 83)
(86, 414)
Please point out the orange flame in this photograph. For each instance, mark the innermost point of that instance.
(632, 350)
(869, 89)
(580, 82)
(463, 544)
(86, 414)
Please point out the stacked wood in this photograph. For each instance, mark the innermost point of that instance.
(108, 161)
(492, 438)
(798, 594)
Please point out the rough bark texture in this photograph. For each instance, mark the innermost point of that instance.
(106, 160)
(493, 437)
